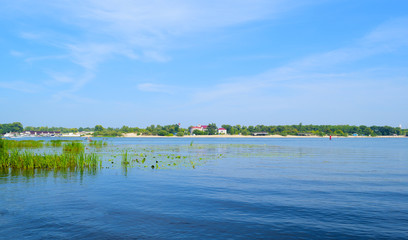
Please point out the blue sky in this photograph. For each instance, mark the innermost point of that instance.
(87, 62)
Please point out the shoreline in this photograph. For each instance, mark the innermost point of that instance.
(133, 135)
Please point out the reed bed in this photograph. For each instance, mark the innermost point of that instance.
(55, 143)
(73, 147)
(98, 143)
(7, 144)
(73, 157)
(59, 142)
(29, 160)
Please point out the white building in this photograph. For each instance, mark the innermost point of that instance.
(204, 128)
(222, 131)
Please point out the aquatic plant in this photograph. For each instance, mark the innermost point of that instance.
(29, 160)
(98, 143)
(139, 156)
(73, 147)
(22, 144)
(55, 143)
(125, 160)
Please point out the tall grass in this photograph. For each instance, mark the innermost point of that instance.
(55, 143)
(30, 160)
(59, 142)
(125, 158)
(73, 157)
(73, 147)
(22, 144)
(98, 143)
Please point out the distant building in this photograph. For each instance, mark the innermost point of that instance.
(204, 128)
(199, 128)
(42, 133)
(304, 134)
(260, 134)
(34, 134)
(222, 131)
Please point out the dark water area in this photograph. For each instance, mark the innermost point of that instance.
(260, 189)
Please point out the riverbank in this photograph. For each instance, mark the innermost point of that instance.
(134, 135)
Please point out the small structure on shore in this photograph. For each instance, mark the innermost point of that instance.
(304, 134)
(260, 134)
(33, 134)
(222, 131)
(199, 128)
(203, 128)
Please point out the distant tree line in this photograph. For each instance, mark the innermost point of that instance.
(152, 130)
(175, 129)
(11, 127)
(317, 130)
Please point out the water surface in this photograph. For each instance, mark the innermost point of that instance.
(259, 188)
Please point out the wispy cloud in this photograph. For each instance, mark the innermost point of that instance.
(152, 87)
(15, 53)
(45, 58)
(73, 97)
(141, 30)
(21, 86)
(319, 68)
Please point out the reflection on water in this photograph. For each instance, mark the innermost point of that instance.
(25, 175)
(239, 189)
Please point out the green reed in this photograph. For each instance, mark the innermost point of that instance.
(73, 147)
(125, 158)
(55, 143)
(98, 143)
(7, 144)
(29, 160)
(59, 142)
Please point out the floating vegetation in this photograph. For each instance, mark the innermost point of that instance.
(158, 156)
(138, 156)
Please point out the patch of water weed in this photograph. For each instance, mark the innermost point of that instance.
(22, 143)
(125, 159)
(29, 160)
(98, 143)
(73, 147)
(170, 156)
(58, 142)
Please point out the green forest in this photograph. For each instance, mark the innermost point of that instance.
(175, 130)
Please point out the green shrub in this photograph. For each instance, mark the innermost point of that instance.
(162, 133)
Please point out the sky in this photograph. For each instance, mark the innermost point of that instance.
(80, 63)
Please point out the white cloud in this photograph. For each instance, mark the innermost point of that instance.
(21, 86)
(44, 58)
(83, 100)
(30, 35)
(159, 88)
(318, 68)
(16, 53)
(134, 29)
(392, 34)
